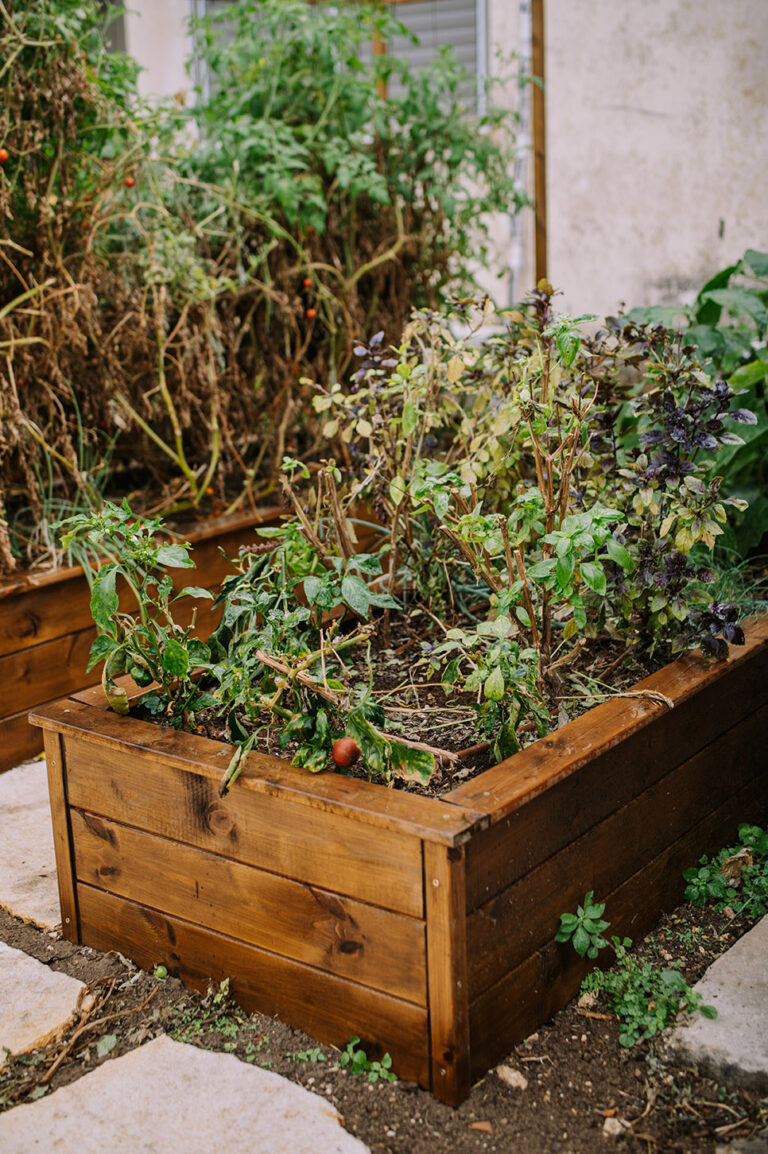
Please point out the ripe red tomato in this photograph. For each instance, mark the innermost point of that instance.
(129, 182)
(311, 314)
(3, 155)
(307, 282)
(345, 752)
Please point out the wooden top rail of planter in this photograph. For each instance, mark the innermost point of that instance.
(425, 926)
(46, 629)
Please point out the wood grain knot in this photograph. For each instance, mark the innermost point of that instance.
(218, 819)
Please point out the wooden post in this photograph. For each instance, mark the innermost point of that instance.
(448, 990)
(62, 834)
(539, 136)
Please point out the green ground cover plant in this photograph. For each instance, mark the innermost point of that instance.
(645, 997)
(736, 879)
(529, 509)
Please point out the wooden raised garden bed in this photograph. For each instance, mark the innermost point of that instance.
(46, 629)
(424, 926)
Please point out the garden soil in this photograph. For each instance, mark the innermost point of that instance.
(569, 1088)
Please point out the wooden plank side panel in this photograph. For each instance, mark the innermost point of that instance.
(502, 789)
(507, 1012)
(41, 606)
(19, 741)
(334, 933)
(586, 794)
(519, 920)
(46, 671)
(327, 1007)
(370, 804)
(260, 829)
(62, 836)
(445, 904)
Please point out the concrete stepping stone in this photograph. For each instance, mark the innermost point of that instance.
(168, 1097)
(28, 886)
(36, 1002)
(733, 1047)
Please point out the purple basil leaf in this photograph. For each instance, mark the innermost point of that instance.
(743, 416)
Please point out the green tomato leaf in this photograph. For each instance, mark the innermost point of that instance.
(412, 764)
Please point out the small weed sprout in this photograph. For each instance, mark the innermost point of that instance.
(355, 1059)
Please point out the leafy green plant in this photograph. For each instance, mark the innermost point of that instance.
(585, 928)
(644, 997)
(736, 878)
(355, 1059)
(147, 644)
(726, 325)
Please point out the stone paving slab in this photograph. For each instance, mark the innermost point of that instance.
(27, 864)
(733, 1047)
(36, 1002)
(172, 1098)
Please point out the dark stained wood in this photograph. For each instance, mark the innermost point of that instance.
(445, 904)
(507, 1012)
(328, 1007)
(62, 835)
(609, 780)
(19, 741)
(374, 947)
(365, 802)
(382, 867)
(47, 671)
(500, 790)
(518, 921)
(41, 606)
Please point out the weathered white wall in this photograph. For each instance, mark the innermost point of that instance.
(156, 36)
(657, 149)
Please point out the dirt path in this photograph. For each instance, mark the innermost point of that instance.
(571, 1079)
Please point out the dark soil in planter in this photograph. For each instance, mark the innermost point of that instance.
(577, 1074)
(422, 711)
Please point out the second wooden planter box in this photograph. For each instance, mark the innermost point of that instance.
(46, 628)
(424, 926)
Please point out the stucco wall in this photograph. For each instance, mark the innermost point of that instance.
(657, 150)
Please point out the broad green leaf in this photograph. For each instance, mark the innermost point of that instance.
(564, 570)
(195, 591)
(198, 651)
(410, 418)
(594, 575)
(100, 649)
(396, 490)
(356, 594)
(104, 599)
(738, 301)
(175, 658)
(174, 557)
(618, 553)
(494, 686)
(412, 764)
(757, 261)
(312, 586)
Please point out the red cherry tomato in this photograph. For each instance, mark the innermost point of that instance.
(129, 182)
(3, 155)
(311, 314)
(345, 752)
(307, 282)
